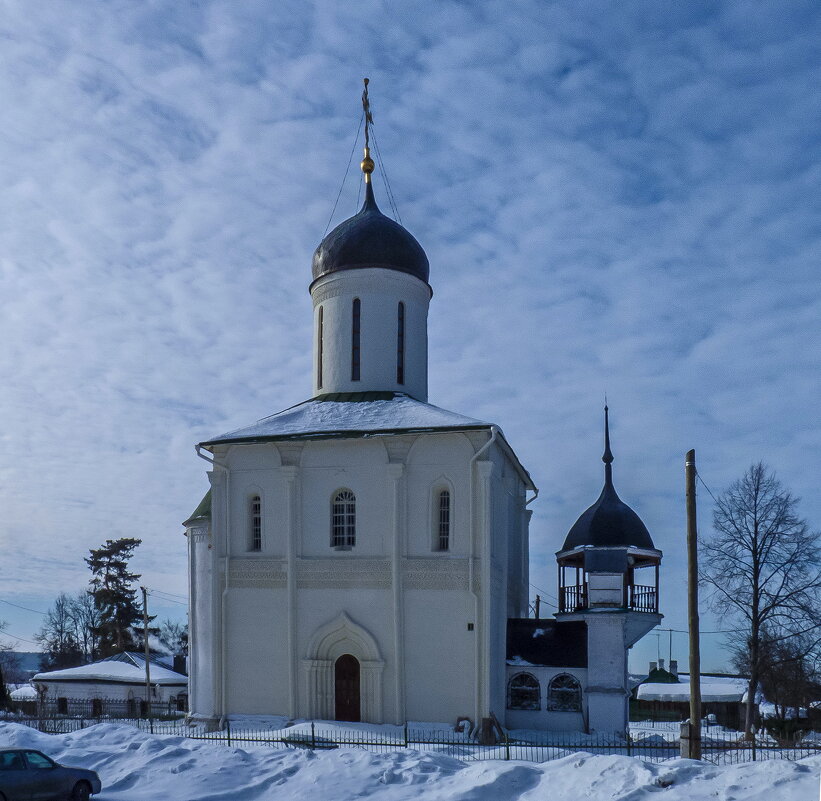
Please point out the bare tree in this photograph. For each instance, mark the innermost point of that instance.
(58, 636)
(86, 619)
(788, 672)
(762, 568)
(5, 649)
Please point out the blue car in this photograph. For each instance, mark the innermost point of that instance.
(27, 775)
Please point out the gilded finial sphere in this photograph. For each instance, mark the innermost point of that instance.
(367, 164)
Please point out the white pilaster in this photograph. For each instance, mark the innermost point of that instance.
(484, 471)
(291, 474)
(395, 471)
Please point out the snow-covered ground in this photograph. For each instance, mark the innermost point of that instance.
(135, 766)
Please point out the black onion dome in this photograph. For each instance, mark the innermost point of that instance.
(609, 521)
(370, 239)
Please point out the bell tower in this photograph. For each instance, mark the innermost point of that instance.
(609, 578)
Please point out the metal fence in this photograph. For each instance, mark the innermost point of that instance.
(719, 746)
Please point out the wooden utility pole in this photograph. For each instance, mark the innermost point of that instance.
(145, 644)
(538, 603)
(694, 738)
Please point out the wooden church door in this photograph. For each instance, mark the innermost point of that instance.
(346, 688)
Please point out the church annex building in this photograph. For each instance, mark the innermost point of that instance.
(363, 555)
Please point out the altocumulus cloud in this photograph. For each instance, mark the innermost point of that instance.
(613, 198)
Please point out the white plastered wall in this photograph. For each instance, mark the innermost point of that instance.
(380, 291)
(265, 609)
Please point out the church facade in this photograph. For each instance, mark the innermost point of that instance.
(364, 554)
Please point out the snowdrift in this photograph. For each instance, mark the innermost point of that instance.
(135, 766)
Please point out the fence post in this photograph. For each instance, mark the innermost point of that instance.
(507, 747)
(406, 735)
(754, 734)
(150, 719)
(228, 729)
(629, 742)
(313, 736)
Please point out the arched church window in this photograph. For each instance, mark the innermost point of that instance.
(523, 692)
(255, 523)
(320, 332)
(355, 337)
(443, 520)
(564, 694)
(400, 344)
(343, 520)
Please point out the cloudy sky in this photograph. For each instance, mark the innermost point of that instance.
(616, 198)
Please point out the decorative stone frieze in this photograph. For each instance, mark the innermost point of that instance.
(435, 574)
(257, 573)
(344, 573)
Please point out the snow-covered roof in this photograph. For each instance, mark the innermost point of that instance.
(713, 689)
(25, 692)
(350, 415)
(360, 414)
(124, 668)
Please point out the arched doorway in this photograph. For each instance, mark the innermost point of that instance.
(346, 688)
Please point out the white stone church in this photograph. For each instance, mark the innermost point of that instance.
(363, 555)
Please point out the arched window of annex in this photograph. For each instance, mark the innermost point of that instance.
(255, 522)
(523, 692)
(442, 516)
(564, 694)
(343, 519)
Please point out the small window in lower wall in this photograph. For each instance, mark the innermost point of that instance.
(62, 706)
(523, 692)
(564, 694)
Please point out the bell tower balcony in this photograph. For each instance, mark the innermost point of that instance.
(609, 578)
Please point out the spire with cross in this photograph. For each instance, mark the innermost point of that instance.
(367, 164)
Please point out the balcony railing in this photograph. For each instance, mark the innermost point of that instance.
(572, 598)
(638, 597)
(642, 598)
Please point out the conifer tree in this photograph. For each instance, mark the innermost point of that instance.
(114, 596)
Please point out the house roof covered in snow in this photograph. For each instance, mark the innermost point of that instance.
(127, 667)
(546, 642)
(24, 692)
(714, 689)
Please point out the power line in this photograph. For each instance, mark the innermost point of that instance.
(698, 476)
(162, 593)
(36, 611)
(173, 594)
(15, 637)
(551, 597)
(717, 631)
